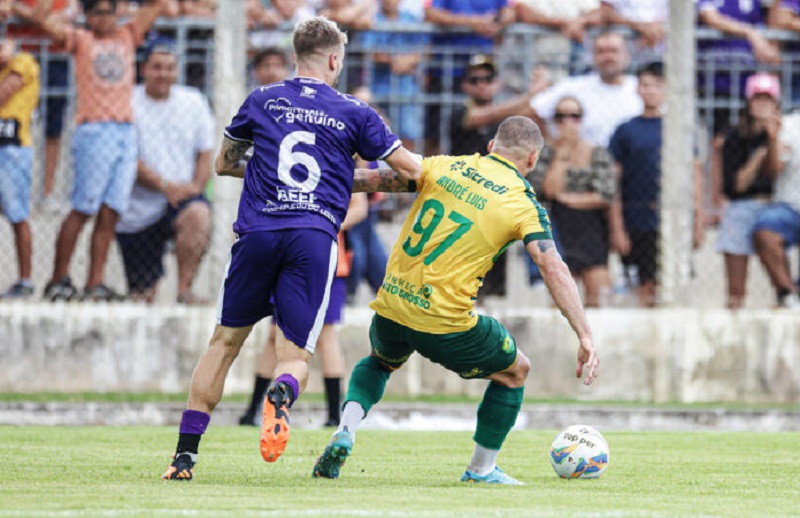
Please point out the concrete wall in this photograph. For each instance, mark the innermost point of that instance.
(661, 355)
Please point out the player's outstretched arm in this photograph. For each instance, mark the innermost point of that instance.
(408, 164)
(230, 159)
(565, 294)
(381, 180)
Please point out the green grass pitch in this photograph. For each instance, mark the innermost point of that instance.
(114, 471)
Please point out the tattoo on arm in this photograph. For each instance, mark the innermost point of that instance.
(379, 180)
(233, 151)
(545, 245)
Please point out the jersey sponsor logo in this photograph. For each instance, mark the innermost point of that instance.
(472, 174)
(407, 292)
(277, 108)
(282, 109)
(307, 91)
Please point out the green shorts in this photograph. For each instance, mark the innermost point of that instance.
(479, 352)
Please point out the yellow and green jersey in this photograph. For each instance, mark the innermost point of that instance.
(16, 112)
(469, 210)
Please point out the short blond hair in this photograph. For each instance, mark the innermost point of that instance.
(314, 34)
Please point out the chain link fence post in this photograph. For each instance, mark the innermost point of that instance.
(230, 69)
(677, 172)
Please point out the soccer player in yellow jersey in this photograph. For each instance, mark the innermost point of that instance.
(19, 95)
(469, 210)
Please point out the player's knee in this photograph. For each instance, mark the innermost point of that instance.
(522, 368)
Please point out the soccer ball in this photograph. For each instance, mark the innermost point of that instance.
(580, 451)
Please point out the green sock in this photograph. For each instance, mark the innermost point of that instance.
(497, 413)
(367, 383)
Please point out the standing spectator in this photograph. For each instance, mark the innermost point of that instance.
(608, 95)
(197, 8)
(353, 14)
(55, 69)
(104, 143)
(636, 149)
(742, 21)
(751, 160)
(394, 75)
(270, 65)
(369, 255)
(576, 176)
(648, 18)
(175, 131)
(19, 95)
(267, 30)
(785, 15)
(468, 136)
(485, 19)
(569, 18)
(289, 217)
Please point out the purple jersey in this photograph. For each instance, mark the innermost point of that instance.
(745, 11)
(304, 134)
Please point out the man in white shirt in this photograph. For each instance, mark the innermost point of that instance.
(175, 129)
(608, 95)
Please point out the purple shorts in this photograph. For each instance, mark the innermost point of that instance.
(337, 301)
(293, 268)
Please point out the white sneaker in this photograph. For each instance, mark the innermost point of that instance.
(790, 301)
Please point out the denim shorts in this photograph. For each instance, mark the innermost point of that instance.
(105, 156)
(15, 182)
(782, 219)
(738, 225)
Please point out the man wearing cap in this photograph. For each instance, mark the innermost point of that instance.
(752, 157)
(175, 130)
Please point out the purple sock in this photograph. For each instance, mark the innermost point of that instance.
(194, 422)
(293, 385)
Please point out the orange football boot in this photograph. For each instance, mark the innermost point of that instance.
(275, 424)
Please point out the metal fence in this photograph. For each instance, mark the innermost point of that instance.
(422, 106)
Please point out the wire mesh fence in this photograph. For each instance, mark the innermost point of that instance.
(600, 174)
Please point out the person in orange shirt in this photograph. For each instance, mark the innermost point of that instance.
(104, 144)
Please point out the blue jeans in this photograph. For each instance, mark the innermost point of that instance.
(369, 256)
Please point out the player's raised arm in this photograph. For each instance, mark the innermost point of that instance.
(381, 180)
(564, 291)
(230, 159)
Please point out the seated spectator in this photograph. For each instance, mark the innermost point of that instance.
(576, 176)
(751, 160)
(778, 226)
(394, 75)
(270, 65)
(104, 141)
(19, 95)
(175, 128)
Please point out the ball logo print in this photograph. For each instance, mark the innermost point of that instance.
(580, 451)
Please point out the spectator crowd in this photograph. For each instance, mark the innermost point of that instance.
(142, 143)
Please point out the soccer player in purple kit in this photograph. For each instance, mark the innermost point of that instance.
(297, 188)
